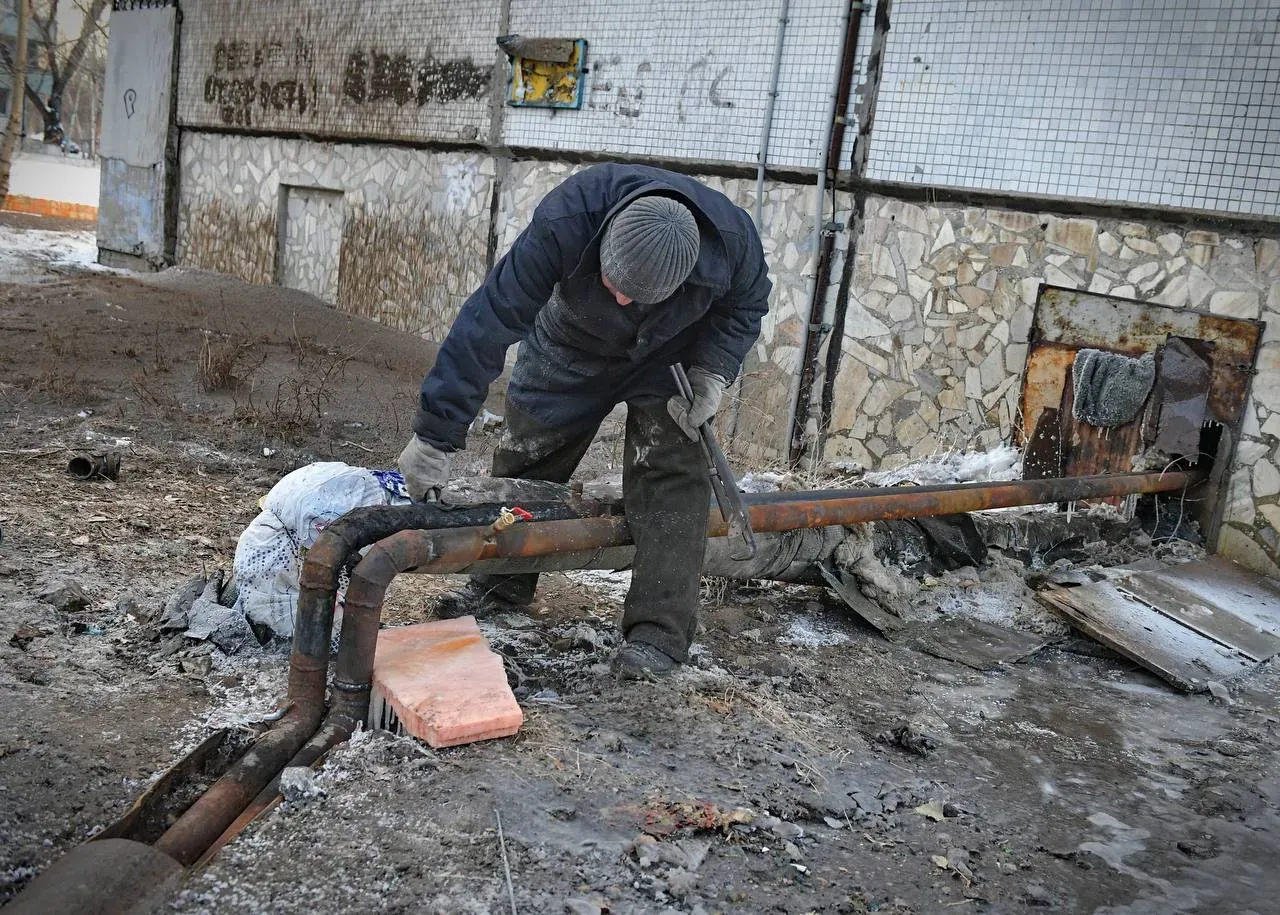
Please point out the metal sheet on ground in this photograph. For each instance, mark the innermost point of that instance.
(844, 585)
(1179, 655)
(976, 644)
(1204, 616)
(1231, 587)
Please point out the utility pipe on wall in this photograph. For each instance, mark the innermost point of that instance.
(798, 390)
(767, 128)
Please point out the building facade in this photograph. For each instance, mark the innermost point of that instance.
(919, 170)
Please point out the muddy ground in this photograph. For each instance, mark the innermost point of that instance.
(766, 777)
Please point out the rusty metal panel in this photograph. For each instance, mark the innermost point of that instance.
(1067, 321)
(1071, 320)
(1048, 369)
(1089, 449)
(1042, 457)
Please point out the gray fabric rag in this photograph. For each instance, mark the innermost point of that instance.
(1110, 388)
(650, 248)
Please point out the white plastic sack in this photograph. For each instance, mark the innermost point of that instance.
(295, 511)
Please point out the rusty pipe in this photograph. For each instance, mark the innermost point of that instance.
(437, 550)
(791, 511)
(456, 549)
(201, 825)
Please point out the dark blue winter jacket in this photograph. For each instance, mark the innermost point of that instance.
(581, 352)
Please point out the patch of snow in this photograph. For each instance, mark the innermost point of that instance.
(32, 254)
(1000, 463)
(846, 466)
(811, 633)
(612, 585)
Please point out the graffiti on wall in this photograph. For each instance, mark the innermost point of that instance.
(269, 75)
(621, 93)
(373, 76)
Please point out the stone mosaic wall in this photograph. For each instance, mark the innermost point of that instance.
(757, 429)
(941, 302)
(414, 223)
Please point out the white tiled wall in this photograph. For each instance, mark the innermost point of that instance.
(1170, 102)
(687, 79)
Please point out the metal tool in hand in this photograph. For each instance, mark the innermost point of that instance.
(723, 483)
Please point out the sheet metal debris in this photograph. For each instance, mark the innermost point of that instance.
(846, 586)
(973, 643)
(1184, 399)
(1187, 624)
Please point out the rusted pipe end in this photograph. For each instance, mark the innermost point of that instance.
(95, 466)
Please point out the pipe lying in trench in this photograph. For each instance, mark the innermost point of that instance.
(199, 827)
(574, 531)
(458, 549)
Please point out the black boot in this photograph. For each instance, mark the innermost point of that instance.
(642, 661)
(474, 600)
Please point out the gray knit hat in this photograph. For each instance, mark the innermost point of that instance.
(649, 248)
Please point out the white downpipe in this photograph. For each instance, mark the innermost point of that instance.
(763, 156)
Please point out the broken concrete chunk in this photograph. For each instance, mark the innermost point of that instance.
(695, 852)
(646, 851)
(225, 627)
(24, 635)
(680, 882)
(1202, 847)
(921, 734)
(66, 595)
(176, 608)
(932, 810)
(1219, 692)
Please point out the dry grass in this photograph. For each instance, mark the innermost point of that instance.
(215, 367)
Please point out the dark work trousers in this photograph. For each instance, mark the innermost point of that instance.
(667, 495)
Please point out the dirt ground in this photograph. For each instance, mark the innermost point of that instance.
(768, 776)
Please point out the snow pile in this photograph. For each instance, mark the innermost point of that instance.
(762, 481)
(29, 253)
(1000, 463)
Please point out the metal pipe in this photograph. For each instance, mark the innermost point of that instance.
(427, 551)
(453, 549)
(767, 128)
(210, 816)
(798, 410)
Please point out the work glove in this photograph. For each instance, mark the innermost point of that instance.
(708, 391)
(425, 469)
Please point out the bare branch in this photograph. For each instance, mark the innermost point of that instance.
(46, 29)
(32, 95)
(85, 11)
(91, 17)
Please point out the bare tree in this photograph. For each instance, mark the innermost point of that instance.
(62, 59)
(13, 125)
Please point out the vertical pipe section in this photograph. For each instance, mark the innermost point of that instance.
(767, 128)
(823, 242)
